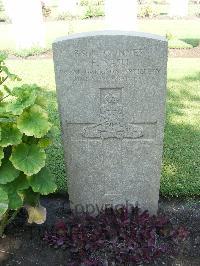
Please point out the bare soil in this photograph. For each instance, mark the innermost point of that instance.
(23, 243)
(182, 53)
(185, 53)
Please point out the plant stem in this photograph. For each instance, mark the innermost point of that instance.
(6, 220)
(3, 223)
(12, 217)
(4, 97)
(3, 80)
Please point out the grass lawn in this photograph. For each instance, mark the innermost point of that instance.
(186, 30)
(181, 169)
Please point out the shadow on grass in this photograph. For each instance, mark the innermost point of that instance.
(181, 170)
(193, 41)
(55, 153)
(163, 14)
(194, 77)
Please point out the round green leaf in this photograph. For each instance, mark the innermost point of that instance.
(3, 202)
(28, 158)
(34, 122)
(9, 74)
(2, 108)
(7, 120)
(7, 172)
(44, 142)
(25, 97)
(41, 101)
(19, 184)
(15, 190)
(43, 182)
(10, 135)
(26, 90)
(15, 200)
(3, 56)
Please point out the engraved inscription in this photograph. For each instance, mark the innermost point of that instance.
(111, 118)
(110, 132)
(121, 74)
(109, 53)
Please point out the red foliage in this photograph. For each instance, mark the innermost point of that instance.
(123, 236)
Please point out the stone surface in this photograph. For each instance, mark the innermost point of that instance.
(121, 14)
(111, 90)
(27, 22)
(178, 8)
(68, 6)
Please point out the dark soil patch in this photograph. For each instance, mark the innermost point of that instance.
(23, 244)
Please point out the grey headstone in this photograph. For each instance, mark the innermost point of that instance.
(111, 90)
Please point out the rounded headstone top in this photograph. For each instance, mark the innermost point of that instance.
(111, 33)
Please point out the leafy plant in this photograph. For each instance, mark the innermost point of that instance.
(46, 10)
(115, 237)
(170, 36)
(147, 11)
(24, 53)
(93, 11)
(24, 128)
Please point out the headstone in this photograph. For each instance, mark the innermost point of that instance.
(27, 21)
(178, 8)
(68, 6)
(121, 14)
(111, 90)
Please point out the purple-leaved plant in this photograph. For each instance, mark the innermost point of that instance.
(120, 236)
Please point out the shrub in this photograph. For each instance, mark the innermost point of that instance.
(197, 14)
(24, 128)
(93, 11)
(196, 2)
(4, 17)
(147, 11)
(46, 10)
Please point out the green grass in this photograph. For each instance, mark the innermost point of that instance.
(34, 51)
(179, 44)
(186, 30)
(181, 29)
(181, 170)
